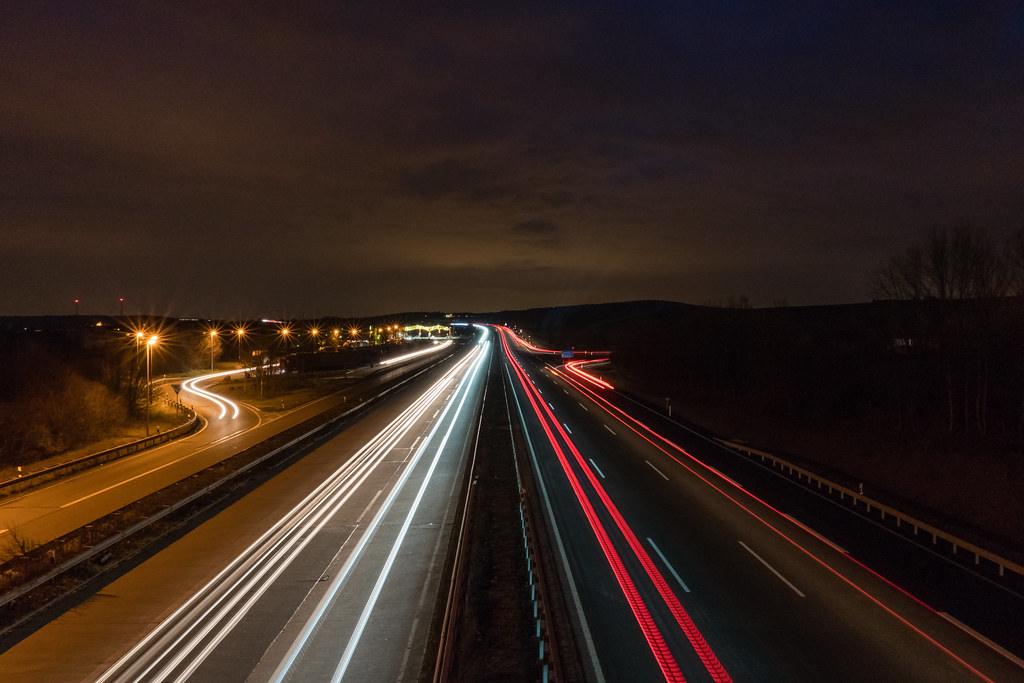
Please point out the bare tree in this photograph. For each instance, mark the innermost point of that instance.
(960, 264)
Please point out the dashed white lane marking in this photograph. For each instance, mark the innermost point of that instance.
(552, 407)
(596, 468)
(567, 428)
(610, 429)
(584, 407)
(651, 465)
(772, 569)
(668, 564)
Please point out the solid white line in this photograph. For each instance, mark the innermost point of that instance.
(371, 602)
(584, 407)
(651, 465)
(588, 638)
(772, 569)
(567, 428)
(315, 509)
(838, 548)
(982, 639)
(610, 429)
(341, 578)
(668, 564)
(596, 468)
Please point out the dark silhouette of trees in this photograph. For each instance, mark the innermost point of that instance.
(965, 277)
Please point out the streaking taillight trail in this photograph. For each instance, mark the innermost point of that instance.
(664, 445)
(653, 636)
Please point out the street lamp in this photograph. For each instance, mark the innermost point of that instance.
(213, 336)
(239, 333)
(150, 343)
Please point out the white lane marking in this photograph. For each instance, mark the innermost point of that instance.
(610, 429)
(435, 413)
(651, 465)
(668, 564)
(565, 392)
(588, 638)
(772, 569)
(838, 548)
(340, 579)
(567, 428)
(281, 543)
(596, 468)
(371, 602)
(552, 407)
(368, 506)
(982, 639)
(584, 407)
(415, 441)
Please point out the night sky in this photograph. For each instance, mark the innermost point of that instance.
(221, 161)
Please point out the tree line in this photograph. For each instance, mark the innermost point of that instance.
(969, 287)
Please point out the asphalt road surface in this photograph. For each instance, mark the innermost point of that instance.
(675, 569)
(48, 512)
(329, 570)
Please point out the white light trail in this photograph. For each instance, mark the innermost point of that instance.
(225, 404)
(422, 352)
(189, 634)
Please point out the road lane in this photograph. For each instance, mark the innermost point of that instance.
(366, 462)
(48, 512)
(849, 624)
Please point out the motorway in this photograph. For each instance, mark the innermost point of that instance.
(676, 570)
(328, 571)
(50, 511)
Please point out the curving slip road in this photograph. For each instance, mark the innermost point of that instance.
(329, 570)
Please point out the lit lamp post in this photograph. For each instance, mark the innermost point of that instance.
(213, 338)
(139, 335)
(314, 333)
(239, 333)
(150, 343)
(335, 333)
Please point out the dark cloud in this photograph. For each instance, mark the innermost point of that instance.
(539, 232)
(451, 178)
(201, 160)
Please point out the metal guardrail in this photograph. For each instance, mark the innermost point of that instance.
(97, 551)
(885, 512)
(33, 479)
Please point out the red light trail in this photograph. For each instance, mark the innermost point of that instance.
(653, 636)
(632, 423)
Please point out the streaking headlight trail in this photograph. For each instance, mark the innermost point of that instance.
(179, 644)
(416, 354)
(225, 404)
